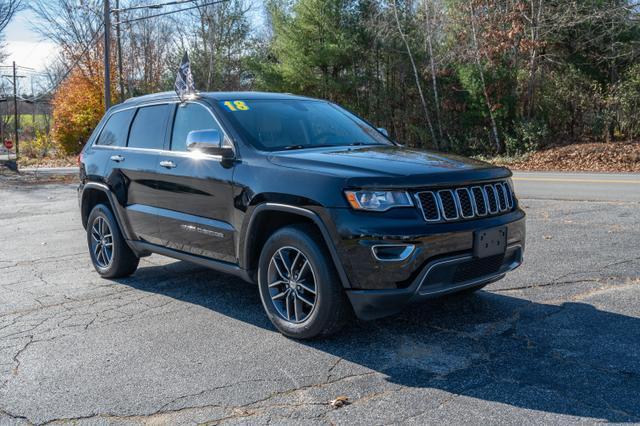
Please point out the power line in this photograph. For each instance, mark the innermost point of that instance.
(98, 34)
(95, 37)
(152, 6)
(18, 66)
(170, 12)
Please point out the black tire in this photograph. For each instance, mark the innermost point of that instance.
(331, 310)
(123, 261)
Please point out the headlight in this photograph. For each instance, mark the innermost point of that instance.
(378, 201)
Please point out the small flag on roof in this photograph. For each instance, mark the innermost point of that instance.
(184, 81)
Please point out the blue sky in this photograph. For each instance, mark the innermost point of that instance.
(24, 45)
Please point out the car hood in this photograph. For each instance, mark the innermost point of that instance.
(389, 165)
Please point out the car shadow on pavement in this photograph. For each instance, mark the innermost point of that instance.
(569, 359)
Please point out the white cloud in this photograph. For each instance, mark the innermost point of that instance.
(33, 54)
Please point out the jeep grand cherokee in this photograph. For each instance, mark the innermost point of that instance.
(322, 210)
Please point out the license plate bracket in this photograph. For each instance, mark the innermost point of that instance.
(490, 242)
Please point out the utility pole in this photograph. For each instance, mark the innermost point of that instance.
(33, 107)
(107, 57)
(16, 120)
(120, 80)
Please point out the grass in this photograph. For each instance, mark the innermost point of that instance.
(27, 120)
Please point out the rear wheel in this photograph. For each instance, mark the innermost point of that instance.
(299, 287)
(110, 254)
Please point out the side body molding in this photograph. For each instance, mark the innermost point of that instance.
(301, 212)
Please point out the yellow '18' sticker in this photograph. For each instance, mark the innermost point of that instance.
(236, 105)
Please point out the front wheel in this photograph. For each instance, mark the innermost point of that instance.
(299, 287)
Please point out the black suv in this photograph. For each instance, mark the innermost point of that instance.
(318, 207)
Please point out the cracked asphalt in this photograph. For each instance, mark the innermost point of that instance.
(557, 341)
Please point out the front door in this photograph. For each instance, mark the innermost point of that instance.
(196, 196)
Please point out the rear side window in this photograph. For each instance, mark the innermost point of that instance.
(190, 117)
(148, 128)
(115, 131)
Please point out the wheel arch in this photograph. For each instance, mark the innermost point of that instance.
(266, 218)
(94, 193)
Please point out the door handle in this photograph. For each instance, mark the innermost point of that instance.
(117, 158)
(167, 164)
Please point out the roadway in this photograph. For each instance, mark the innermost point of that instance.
(578, 186)
(556, 342)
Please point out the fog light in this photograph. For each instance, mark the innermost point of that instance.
(392, 252)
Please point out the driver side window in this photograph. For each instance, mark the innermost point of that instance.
(190, 117)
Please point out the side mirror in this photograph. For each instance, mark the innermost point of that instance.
(208, 142)
(383, 131)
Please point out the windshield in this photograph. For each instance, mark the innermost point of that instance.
(273, 125)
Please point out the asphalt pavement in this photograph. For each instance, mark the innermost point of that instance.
(578, 186)
(557, 341)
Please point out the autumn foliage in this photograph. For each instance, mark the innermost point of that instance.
(77, 108)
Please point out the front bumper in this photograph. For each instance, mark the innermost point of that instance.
(439, 277)
(440, 262)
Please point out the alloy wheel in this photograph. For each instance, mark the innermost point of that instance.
(292, 284)
(102, 242)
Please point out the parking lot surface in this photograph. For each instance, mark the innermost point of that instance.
(557, 341)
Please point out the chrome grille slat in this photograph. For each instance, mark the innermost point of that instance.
(448, 206)
(508, 194)
(429, 206)
(502, 198)
(492, 199)
(462, 203)
(465, 202)
(479, 201)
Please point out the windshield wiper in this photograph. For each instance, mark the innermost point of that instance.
(291, 147)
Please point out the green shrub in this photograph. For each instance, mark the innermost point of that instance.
(528, 136)
(40, 146)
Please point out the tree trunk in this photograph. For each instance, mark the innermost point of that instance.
(416, 75)
(432, 64)
(494, 127)
(533, 64)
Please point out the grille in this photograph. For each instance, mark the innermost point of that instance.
(478, 268)
(429, 204)
(466, 205)
(465, 202)
(448, 204)
(492, 202)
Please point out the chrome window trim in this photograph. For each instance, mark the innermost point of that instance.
(93, 143)
(163, 151)
(186, 154)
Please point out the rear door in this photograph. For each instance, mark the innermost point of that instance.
(196, 201)
(133, 170)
